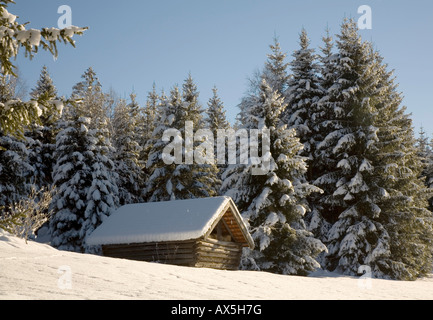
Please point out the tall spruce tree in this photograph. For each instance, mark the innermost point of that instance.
(216, 114)
(150, 115)
(102, 196)
(273, 203)
(159, 173)
(323, 122)
(399, 169)
(274, 72)
(377, 220)
(129, 167)
(428, 173)
(203, 172)
(351, 195)
(183, 177)
(14, 162)
(425, 146)
(41, 137)
(216, 120)
(302, 95)
(85, 182)
(91, 99)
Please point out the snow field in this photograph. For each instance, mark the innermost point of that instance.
(38, 271)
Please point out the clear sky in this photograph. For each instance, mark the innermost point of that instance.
(133, 43)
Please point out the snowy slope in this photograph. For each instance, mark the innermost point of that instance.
(38, 271)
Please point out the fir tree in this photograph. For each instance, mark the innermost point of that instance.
(322, 117)
(428, 172)
(83, 175)
(44, 87)
(203, 171)
(15, 114)
(275, 71)
(14, 163)
(216, 120)
(322, 122)
(102, 195)
(91, 99)
(151, 116)
(351, 192)
(426, 153)
(127, 155)
(216, 115)
(273, 203)
(302, 95)
(192, 109)
(399, 170)
(41, 136)
(377, 219)
(14, 169)
(159, 173)
(170, 180)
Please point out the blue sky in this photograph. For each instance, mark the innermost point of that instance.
(133, 43)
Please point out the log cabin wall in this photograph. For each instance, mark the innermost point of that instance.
(176, 252)
(202, 253)
(218, 254)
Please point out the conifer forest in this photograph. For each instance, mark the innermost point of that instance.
(348, 180)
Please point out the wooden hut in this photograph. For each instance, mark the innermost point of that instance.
(206, 232)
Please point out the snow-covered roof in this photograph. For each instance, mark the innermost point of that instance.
(165, 221)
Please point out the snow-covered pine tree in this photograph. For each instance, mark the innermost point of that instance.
(129, 167)
(352, 195)
(216, 120)
(322, 123)
(428, 172)
(159, 172)
(71, 178)
(83, 176)
(183, 180)
(151, 116)
(14, 163)
(273, 203)
(274, 72)
(193, 110)
(41, 137)
(91, 99)
(103, 194)
(14, 170)
(203, 172)
(322, 118)
(44, 86)
(15, 114)
(373, 195)
(398, 168)
(216, 114)
(425, 146)
(302, 95)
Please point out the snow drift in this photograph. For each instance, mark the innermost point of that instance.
(38, 271)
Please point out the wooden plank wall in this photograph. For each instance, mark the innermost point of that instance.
(204, 253)
(218, 254)
(179, 253)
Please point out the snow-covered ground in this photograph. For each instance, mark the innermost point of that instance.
(38, 271)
